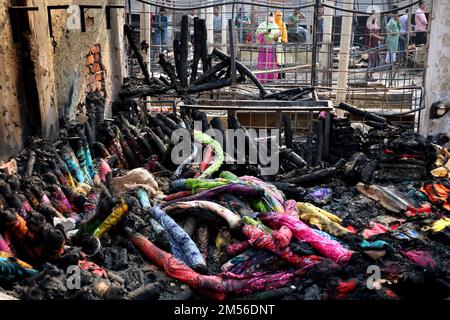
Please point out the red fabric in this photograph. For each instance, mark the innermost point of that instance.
(345, 287)
(92, 267)
(424, 210)
(375, 228)
(177, 195)
(213, 287)
(421, 258)
(237, 248)
(278, 244)
(352, 229)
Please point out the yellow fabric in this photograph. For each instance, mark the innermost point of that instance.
(440, 172)
(320, 218)
(281, 25)
(23, 264)
(440, 224)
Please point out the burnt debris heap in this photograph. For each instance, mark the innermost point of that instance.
(109, 203)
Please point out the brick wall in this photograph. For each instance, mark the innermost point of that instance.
(95, 71)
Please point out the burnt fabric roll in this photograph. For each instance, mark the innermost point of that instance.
(64, 170)
(230, 217)
(212, 287)
(72, 163)
(81, 156)
(231, 188)
(12, 271)
(235, 204)
(3, 245)
(326, 247)
(207, 158)
(249, 261)
(195, 185)
(104, 170)
(158, 229)
(272, 198)
(119, 211)
(218, 153)
(60, 201)
(177, 195)
(186, 161)
(90, 206)
(277, 242)
(237, 248)
(182, 245)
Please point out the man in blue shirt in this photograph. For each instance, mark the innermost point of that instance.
(160, 30)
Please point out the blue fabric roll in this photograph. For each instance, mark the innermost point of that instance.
(183, 247)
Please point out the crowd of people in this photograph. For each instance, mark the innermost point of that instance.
(273, 33)
(396, 36)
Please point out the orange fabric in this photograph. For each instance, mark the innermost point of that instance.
(281, 25)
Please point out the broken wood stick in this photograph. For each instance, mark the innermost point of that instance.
(318, 175)
(368, 115)
(243, 70)
(130, 36)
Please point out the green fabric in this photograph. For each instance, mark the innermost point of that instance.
(218, 153)
(197, 184)
(229, 176)
(259, 205)
(393, 34)
(256, 223)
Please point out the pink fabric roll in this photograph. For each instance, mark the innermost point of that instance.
(327, 247)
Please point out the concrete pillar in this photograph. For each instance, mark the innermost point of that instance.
(327, 49)
(344, 52)
(118, 54)
(145, 30)
(43, 65)
(437, 77)
(209, 27)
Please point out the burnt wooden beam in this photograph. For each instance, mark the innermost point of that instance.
(131, 40)
(243, 70)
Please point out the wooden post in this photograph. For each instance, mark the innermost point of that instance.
(344, 53)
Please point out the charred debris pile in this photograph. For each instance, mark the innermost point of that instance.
(106, 212)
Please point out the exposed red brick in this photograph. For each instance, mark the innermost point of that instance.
(91, 78)
(96, 67)
(95, 48)
(90, 59)
(99, 76)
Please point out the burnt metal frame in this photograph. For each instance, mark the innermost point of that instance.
(231, 106)
(82, 14)
(13, 14)
(49, 15)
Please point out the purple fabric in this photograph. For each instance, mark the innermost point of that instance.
(232, 188)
